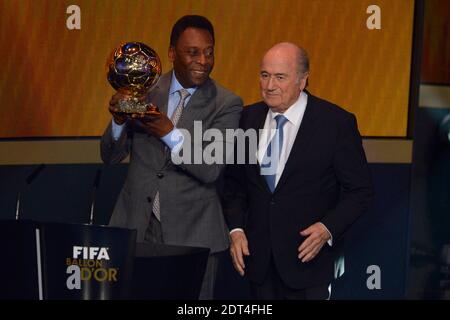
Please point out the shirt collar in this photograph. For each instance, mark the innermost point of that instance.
(175, 86)
(294, 111)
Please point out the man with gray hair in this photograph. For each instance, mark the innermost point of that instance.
(310, 183)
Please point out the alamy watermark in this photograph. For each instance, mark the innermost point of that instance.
(229, 146)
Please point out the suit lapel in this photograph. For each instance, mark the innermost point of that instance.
(258, 120)
(301, 141)
(159, 96)
(199, 106)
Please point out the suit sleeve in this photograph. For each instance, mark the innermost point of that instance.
(114, 151)
(234, 196)
(204, 171)
(352, 171)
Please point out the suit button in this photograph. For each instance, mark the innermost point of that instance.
(149, 199)
(272, 201)
(160, 175)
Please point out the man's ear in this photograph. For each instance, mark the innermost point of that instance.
(304, 81)
(171, 53)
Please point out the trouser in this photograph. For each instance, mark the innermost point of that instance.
(273, 288)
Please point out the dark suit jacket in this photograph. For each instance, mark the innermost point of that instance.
(326, 179)
(191, 212)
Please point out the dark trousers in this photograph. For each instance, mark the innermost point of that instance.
(153, 234)
(273, 288)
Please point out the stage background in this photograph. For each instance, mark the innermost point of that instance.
(407, 225)
(53, 81)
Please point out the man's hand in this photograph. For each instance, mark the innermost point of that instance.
(154, 122)
(317, 235)
(119, 117)
(238, 248)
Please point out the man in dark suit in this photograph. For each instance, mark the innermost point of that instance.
(310, 181)
(167, 201)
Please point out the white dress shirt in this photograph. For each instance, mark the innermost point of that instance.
(294, 115)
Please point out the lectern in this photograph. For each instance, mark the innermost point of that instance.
(65, 261)
(88, 262)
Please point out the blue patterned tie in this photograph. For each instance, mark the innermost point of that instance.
(272, 156)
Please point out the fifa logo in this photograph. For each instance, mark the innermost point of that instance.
(89, 264)
(90, 253)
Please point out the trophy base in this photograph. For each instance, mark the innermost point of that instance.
(133, 105)
(129, 107)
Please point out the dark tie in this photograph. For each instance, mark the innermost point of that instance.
(272, 156)
(175, 117)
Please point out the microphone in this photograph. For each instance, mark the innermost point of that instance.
(33, 175)
(98, 176)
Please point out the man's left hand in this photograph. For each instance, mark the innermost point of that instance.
(316, 236)
(157, 125)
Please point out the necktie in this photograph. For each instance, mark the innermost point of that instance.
(175, 117)
(272, 156)
(184, 94)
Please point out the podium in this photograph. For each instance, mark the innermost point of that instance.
(87, 261)
(165, 272)
(65, 261)
(18, 266)
(49, 261)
